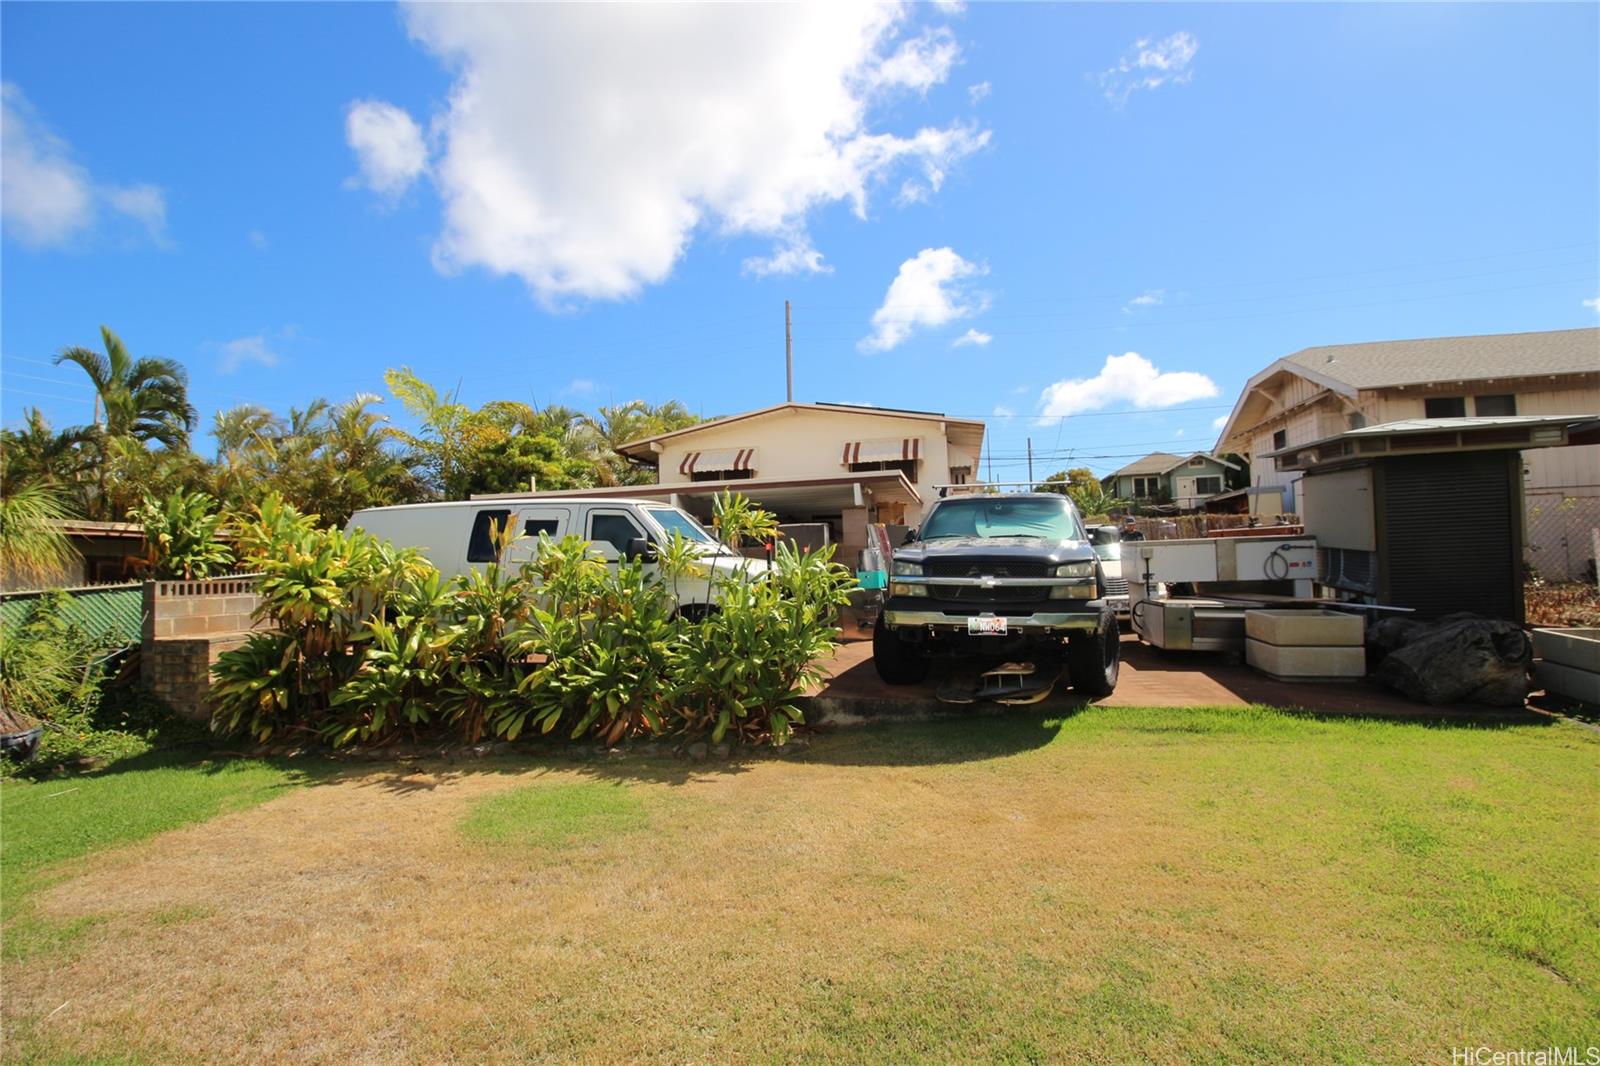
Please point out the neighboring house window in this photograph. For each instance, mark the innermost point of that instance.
(1494, 406)
(480, 546)
(722, 475)
(959, 474)
(1146, 487)
(908, 467)
(1207, 486)
(1444, 407)
(1355, 420)
(1197, 461)
(1280, 440)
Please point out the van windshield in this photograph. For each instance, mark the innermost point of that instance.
(1000, 517)
(675, 521)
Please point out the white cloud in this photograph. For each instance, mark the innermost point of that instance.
(929, 290)
(255, 349)
(581, 152)
(48, 199)
(920, 63)
(580, 387)
(1180, 433)
(1593, 304)
(257, 239)
(1150, 64)
(978, 92)
(146, 204)
(793, 257)
(970, 337)
(1148, 298)
(1002, 411)
(388, 145)
(1022, 390)
(1129, 380)
(1218, 422)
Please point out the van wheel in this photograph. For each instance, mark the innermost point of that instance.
(1094, 660)
(897, 662)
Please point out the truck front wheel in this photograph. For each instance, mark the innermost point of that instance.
(897, 662)
(1094, 659)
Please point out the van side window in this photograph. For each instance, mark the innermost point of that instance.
(480, 548)
(614, 529)
(534, 526)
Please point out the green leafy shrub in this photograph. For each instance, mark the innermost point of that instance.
(182, 536)
(743, 665)
(372, 643)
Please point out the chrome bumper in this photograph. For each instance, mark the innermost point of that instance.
(1037, 623)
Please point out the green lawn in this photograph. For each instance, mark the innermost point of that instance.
(1124, 884)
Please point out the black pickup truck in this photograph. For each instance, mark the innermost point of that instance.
(1007, 574)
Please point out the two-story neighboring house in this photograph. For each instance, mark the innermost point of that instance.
(839, 464)
(1184, 481)
(1320, 392)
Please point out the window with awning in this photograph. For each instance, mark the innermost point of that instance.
(887, 450)
(739, 460)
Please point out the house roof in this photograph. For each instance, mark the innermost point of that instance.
(1386, 364)
(1349, 368)
(1162, 462)
(642, 448)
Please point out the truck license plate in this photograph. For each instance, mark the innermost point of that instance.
(986, 626)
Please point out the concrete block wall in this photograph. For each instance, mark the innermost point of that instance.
(179, 671)
(187, 625)
(210, 607)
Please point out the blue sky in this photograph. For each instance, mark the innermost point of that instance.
(554, 204)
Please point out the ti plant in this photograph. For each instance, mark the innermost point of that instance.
(182, 536)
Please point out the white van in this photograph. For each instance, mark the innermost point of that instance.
(455, 536)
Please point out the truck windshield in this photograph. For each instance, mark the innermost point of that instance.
(675, 521)
(999, 517)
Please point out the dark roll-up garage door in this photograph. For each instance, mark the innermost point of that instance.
(1450, 538)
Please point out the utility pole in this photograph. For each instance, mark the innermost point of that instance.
(788, 350)
(1030, 462)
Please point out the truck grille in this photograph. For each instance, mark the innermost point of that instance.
(999, 594)
(986, 568)
(1116, 586)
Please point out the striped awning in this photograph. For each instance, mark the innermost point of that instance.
(719, 459)
(882, 451)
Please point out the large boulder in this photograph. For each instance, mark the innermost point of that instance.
(1454, 660)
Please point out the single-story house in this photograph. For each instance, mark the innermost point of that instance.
(840, 465)
(1184, 481)
(105, 552)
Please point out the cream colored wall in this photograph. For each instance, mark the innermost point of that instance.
(800, 444)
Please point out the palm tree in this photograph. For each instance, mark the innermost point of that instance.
(33, 550)
(147, 399)
(36, 453)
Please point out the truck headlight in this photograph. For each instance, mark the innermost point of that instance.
(1078, 590)
(900, 588)
(907, 569)
(1075, 570)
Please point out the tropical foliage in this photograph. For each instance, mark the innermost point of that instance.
(369, 645)
(182, 536)
(325, 458)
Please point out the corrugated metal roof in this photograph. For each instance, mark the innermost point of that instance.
(1385, 364)
(117, 610)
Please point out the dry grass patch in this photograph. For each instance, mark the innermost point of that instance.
(1171, 886)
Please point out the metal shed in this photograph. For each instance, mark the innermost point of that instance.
(1426, 513)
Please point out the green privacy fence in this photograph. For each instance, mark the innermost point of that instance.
(117, 610)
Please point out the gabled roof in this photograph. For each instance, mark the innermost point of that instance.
(641, 448)
(1386, 364)
(1348, 368)
(1163, 462)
